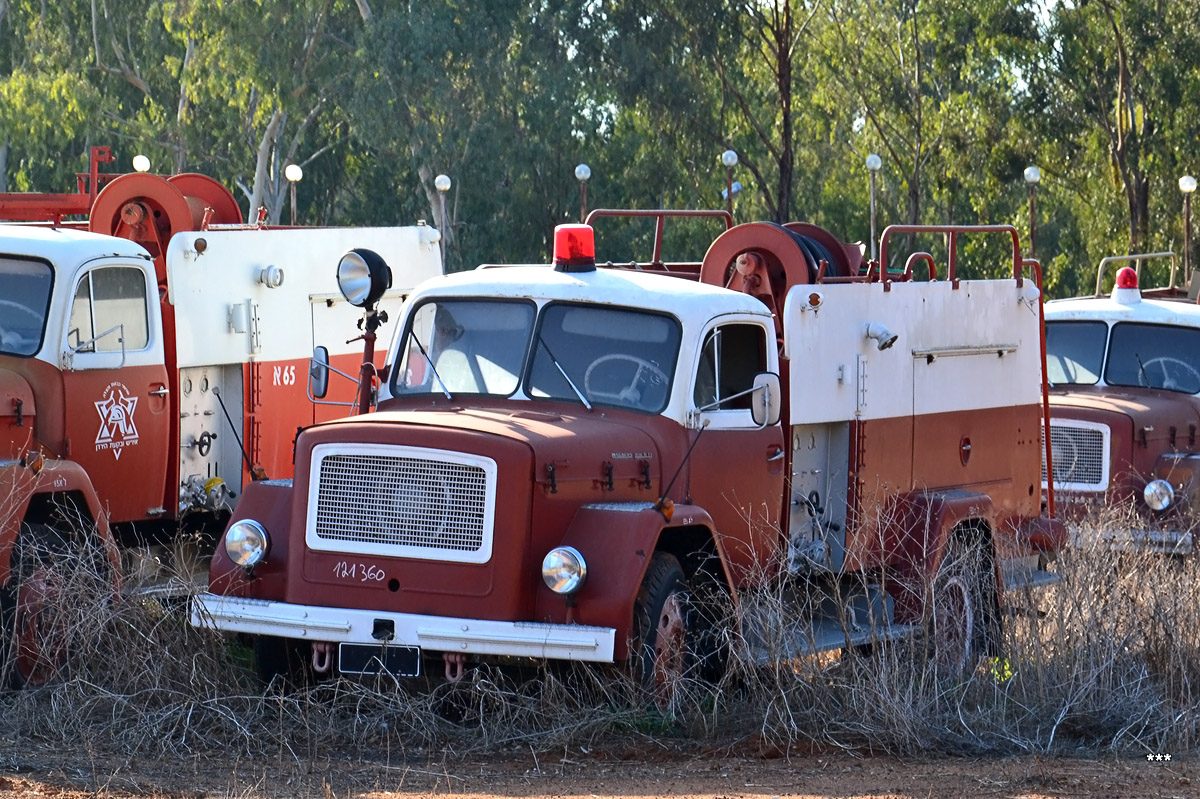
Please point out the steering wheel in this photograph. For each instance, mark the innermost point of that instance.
(1178, 368)
(630, 394)
(10, 304)
(11, 337)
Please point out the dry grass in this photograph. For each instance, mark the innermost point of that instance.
(1108, 660)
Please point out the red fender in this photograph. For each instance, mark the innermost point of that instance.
(270, 504)
(616, 541)
(919, 529)
(21, 480)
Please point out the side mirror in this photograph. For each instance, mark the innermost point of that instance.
(318, 373)
(765, 408)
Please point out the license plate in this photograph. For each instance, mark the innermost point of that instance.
(399, 661)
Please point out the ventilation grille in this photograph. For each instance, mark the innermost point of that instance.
(403, 505)
(1080, 456)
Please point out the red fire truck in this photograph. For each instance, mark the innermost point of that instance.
(154, 356)
(573, 462)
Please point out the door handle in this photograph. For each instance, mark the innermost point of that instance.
(161, 391)
(776, 455)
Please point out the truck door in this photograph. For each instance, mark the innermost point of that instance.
(115, 388)
(737, 468)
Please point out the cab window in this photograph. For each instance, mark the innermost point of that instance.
(730, 358)
(108, 312)
(24, 298)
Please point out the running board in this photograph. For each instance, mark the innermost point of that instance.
(1027, 573)
(777, 631)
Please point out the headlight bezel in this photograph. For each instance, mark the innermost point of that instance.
(1159, 495)
(240, 546)
(564, 570)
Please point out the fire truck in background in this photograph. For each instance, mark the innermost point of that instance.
(580, 463)
(155, 351)
(1124, 369)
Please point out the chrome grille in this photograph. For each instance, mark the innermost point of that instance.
(1080, 455)
(403, 503)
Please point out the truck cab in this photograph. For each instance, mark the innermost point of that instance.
(1124, 371)
(82, 321)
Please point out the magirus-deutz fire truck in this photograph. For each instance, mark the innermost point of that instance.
(575, 461)
(154, 357)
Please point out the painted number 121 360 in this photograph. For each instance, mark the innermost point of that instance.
(358, 572)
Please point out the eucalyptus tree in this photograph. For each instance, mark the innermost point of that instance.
(712, 76)
(488, 93)
(1127, 93)
(236, 90)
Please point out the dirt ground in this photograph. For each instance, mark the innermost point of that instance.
(647, 771)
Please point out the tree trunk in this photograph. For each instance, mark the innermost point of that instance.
(262, 167)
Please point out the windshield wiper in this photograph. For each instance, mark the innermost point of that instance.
(563, 372)
(432, 368)
(1142, 370)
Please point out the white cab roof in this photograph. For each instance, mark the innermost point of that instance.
(683, 297)
(64, 245)
(1160, 312)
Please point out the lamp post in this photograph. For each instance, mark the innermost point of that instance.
(293, 173)
(582, 173)
(1187, 185)
(442, 184)
(1033, 176)
(141, 163)
(874, 162)
(729, 160)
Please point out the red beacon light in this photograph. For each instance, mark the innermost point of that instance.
(574, 248)
(1125, 289)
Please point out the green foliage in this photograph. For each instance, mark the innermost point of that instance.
(507, 96)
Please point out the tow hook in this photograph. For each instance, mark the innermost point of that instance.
(322, 657)
(455, 664)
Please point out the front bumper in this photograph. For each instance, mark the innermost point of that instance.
(1164, 542)
(434, 633)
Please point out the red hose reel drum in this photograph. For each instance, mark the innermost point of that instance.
(149, 209)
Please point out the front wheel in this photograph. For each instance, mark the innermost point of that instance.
(32, 609)
(286, 660)
(663, 631)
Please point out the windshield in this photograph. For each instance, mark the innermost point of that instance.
(613, 356)
(1075, 352)
(1154, 356)
(580, 353)
(24, 300)
(465, 347)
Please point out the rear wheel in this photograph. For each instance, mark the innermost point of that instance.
(663, 631)
(958, 620)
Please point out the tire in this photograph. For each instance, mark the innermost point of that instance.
(663, 634)
(31, 609)
(284, 662)
(958, 620)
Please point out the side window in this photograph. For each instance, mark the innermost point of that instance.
(730, 358)
(109, 304)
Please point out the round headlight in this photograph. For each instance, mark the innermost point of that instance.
(564, 570)
(247, 543)
(1159, 495)
(363, 277)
